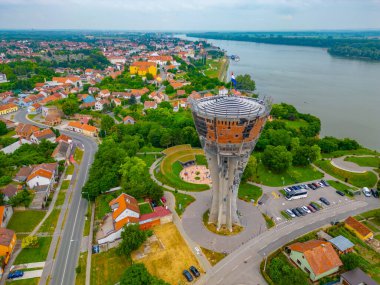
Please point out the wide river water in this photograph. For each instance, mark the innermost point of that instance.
(343, 93)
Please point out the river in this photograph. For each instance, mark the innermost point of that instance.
(343, 93)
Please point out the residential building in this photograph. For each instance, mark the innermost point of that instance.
(143, 67)
(150, 105)
(25, 130)
(356, 277)
(34, 109)
(223, 91)
(99, 105)
(6, 213)
(8, 108)
(23, 174)
(71, 80)
(358, 228)
(9, 124)
(125, 210)
(7, 243)
(10, 190)
(3, 78)
(116, 101)
(82, 128)
(62, 151)
(42, 175)
(45, 134)
(128, 120)
(157, 96)
(315, 257)
(53, 119)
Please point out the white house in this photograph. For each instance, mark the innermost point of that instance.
(45, 134)
(40, 177)
(3, 78)
(223, 91)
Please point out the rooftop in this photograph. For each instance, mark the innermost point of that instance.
(229, 106)
(341, 243)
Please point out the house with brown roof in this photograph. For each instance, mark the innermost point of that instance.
(45, 134)
(62, 151)
(41, 175)
(128, 120)
(150, 105)
(360, 230)
(85, 129)
(125, 210)
(315, 257)
(25, 130)
(7, 243)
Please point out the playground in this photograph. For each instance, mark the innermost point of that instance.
(197, 174)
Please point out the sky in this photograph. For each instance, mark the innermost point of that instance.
(191, 15)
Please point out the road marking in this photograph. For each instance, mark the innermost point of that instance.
(219, 281)
(237, 265)
(275, 195)
(248, 258)
(72, 234)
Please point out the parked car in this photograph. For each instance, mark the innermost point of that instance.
(324, 182)
(314, 206)
(15, 274)
(324, 201)
(302, 212)
(287, 189)
(311, 208)
(335, 222)
(375, 193)
(295, 212)
(366, 192)
(194, 271)
(315, 185)
(306, 209)
(311, 186)
(187, 275)
(290, 213)
(340, 193)
(163, 199)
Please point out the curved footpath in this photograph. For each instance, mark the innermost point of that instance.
(61, 267)
(341, 163)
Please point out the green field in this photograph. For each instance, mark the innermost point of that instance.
(145, 208)
(80, 277)
(213, 68)
(248, 192)
(51, 222)
(25, 221)
(360, 151)
(373, 215)
(370, 161)
(201, 160)
(31, 281)
(149, 158)
(78, 155)
(291, 176)
(182, 201)
(28, 255)
(297, 124)
(107, 267)
(367, 179)
(170, 169)
(150, 149)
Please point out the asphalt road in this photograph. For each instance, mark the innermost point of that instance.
(63, 272)
(242, 267)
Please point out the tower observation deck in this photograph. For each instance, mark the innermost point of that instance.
(228, 128)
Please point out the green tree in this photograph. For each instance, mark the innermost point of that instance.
(134, 174)
(250, 169)
(277, 158)
(70, 107)
(169, 89)
(166, 138)
(29, 242)
(149, 76)
(137, 274)
(245, 82)
(3, 128)
(132, 100)
(304, 155)
(131, 239)
(107, 123)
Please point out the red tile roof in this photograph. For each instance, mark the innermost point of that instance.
(6, 236)
(158, 212)
(357, 226)
(124, 202)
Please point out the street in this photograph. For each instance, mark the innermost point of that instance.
(62, 270)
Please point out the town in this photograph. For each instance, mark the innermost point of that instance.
(115, 150)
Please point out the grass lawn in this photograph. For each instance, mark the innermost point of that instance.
(80, 276)
(285, 215)
(150, 149)
(31, 281)
(377, 237)
(145, 208)
(370, 226)
(182, 201)
(367, 179)
(170, 169)
(51, 222)
(269, 221)
(87, 222)
(248, 192)
(70, 169)
(341, 187)
(297, 124)
(293, 175)
(9, 134)
(28, 255)
(169, 261)
(101, 204)
(25, 221)
(61, 197)
(201, 160)
(213, 67)
(370, 161)
(149, 158)
(212, 256)
(361, 151)
(78, 155)
(107, 267)
(373, 215)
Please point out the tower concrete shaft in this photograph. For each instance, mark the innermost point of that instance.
(228, 128)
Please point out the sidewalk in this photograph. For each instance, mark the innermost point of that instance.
(89, 248)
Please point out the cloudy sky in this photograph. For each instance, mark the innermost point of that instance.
(190, 14)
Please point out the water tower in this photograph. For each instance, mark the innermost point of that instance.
(228, 128)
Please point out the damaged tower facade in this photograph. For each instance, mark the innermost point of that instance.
(228, 128)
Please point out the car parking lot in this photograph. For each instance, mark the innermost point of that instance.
(274, 207)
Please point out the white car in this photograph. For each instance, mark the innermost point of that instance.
(306, 209)
(290, 213)
(366, 192)
(197, 250)
(287, 190)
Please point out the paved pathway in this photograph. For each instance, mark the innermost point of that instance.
(351, 166)
(89, 248)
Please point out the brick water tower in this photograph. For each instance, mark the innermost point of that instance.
(228, 128)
